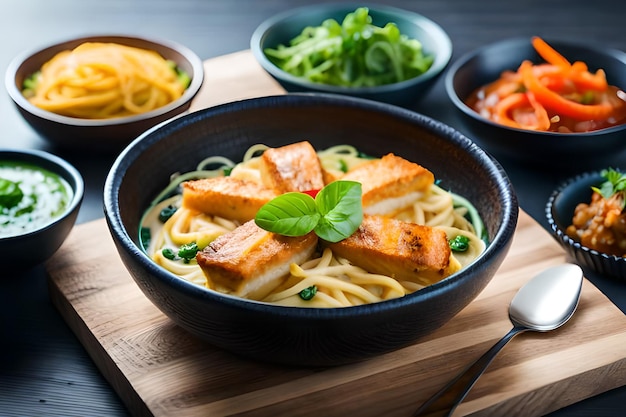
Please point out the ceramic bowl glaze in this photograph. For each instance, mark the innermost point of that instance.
(307, 336)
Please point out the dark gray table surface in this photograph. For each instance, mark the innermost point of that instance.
(44, 370)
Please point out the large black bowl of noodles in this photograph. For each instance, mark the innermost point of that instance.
(94, 119)
(306, 336)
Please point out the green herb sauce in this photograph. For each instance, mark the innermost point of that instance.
(30, 197)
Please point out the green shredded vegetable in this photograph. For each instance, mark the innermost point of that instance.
(355, 53)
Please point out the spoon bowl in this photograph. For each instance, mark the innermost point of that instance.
(545, 303)
(548, 300)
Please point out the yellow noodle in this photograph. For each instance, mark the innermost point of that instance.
(338, 282)
(105, 80)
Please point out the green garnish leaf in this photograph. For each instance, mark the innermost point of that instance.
(10, 193)
(343, 166)
(460, 243)
(339, 204)
(188, 251)
(289, 214)
(166, 213)
(334, 214)
(29, 86)
(145, 236)
(308, 293)
(169, 254)
(615, 183)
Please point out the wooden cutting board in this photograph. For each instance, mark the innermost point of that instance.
(160, 370)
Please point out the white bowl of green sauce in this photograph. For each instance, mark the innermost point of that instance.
(40, 195)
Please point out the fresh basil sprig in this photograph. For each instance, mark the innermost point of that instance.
(615, 183)
(334, 214)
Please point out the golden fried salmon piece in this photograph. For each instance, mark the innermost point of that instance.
(250, 262)
(227, 197)
(405, 251)
(390, 183)
(294, 167)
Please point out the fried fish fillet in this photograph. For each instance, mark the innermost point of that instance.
(405, 251)
(390, 183)
(250, 262)
(227, 197)
(294, 167)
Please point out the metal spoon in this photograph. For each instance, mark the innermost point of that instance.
(544, 303)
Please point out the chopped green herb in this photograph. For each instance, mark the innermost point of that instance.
(188, 251)
(144, 237)
(588, 97)
(334, 214)
(30, 84)
(343, 166)
(615, 183)
(169, 254)
(166, 213)
(183, 78)
(308, 293)
(10, 193)
(460, 243)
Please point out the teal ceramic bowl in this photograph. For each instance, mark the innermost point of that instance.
(283, 27)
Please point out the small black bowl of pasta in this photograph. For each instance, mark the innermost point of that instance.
(199, 257)
(100, 92)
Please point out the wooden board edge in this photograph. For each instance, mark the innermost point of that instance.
(98, 354)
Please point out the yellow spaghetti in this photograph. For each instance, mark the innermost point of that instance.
(105, 80)
(338, 282)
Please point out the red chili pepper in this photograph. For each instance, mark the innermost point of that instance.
(559, 104)
(312, 193)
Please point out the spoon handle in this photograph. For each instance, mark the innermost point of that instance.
(445, 401)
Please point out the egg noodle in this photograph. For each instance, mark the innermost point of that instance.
(339, 283)
(105, 80)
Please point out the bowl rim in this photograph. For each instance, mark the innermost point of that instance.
(560, 233)
(189, 55)
(516, 42)
(443, 54)
(61, 167)
(498, 242)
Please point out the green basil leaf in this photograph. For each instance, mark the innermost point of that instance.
(290, 214)
(339, 204)
(10, 193)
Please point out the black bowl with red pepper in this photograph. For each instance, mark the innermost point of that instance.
(294, 335)
(542, 148)
(587, 218)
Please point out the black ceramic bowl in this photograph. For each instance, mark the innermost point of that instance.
(283, 27)
(33, 247)
(560, 211)
(485, 65)
(101, 134)
(306, 336)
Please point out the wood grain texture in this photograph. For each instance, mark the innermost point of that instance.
(160, 370)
